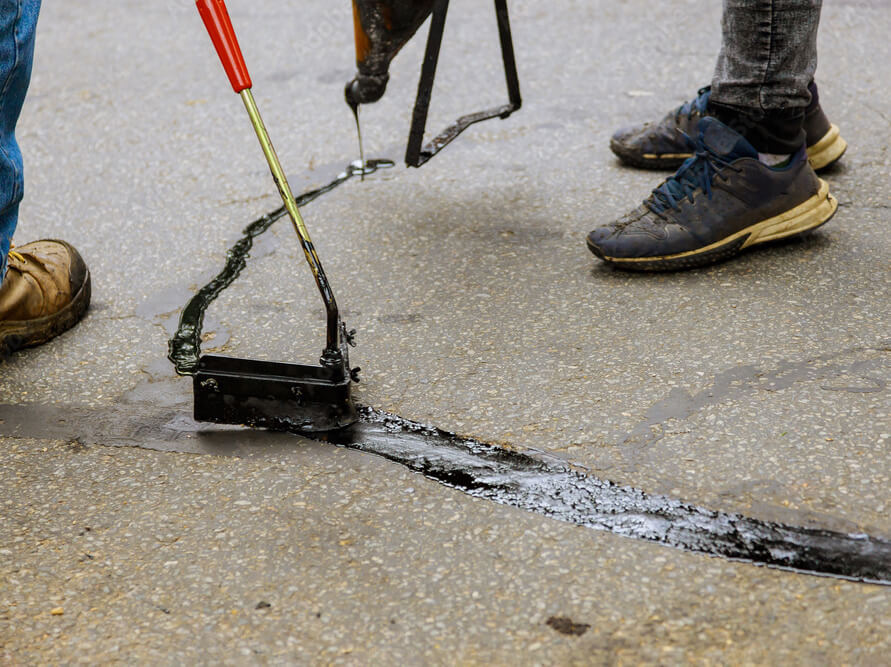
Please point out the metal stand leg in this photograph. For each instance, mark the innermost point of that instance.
(415, 154)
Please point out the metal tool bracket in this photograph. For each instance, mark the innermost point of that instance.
(275, 395)
(417, 154)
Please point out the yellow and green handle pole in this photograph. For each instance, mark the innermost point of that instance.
(222, 34)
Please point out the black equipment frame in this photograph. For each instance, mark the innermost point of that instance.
(417, 153)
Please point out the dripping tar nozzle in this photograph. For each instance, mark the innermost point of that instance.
(365, 89)
(382, 28)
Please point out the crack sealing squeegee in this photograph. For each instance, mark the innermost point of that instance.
(268, 394)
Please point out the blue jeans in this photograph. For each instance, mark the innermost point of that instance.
(18, 20)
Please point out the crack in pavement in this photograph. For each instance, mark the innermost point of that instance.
(745, 380)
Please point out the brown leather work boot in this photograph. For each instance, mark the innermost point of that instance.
(46, 291)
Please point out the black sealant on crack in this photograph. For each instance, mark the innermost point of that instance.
(532, 481)
(557, 490)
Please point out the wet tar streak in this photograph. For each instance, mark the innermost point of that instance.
(556, 490)
(185, 346)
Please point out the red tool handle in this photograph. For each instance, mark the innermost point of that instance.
(222, 34)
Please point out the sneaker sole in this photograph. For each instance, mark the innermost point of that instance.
(828, 150)
(648, 160)
(807, 216)
(28, 333)
(823, 154)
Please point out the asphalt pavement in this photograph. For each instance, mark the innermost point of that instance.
(758, 386)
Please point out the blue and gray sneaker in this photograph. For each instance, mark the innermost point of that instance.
(722, 200)
(667, 143)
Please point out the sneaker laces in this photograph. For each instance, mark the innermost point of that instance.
(695, 174)
(698, 104)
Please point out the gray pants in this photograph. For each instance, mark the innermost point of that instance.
(768, 55)
(768, 58)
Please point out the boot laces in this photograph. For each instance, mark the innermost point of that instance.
(697, 173)
(16, 256)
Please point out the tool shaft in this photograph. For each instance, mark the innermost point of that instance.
(274, 165)
(312, 258)
(222, 34)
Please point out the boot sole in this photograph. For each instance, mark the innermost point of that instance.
(28, 333)
(807, 216)
(823, 154)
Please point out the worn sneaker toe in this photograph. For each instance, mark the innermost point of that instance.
(640, 234)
